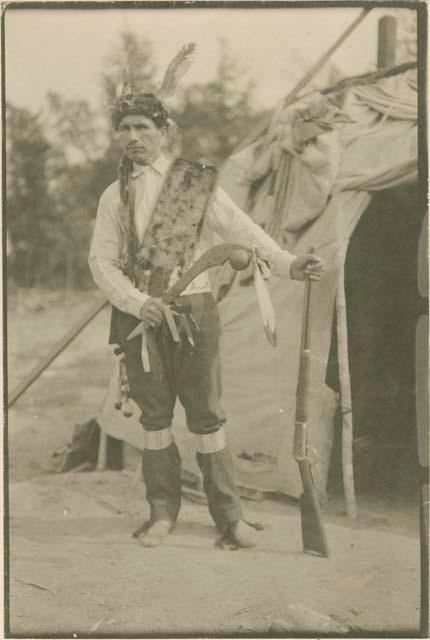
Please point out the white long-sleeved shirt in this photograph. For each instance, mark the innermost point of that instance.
(224, 221)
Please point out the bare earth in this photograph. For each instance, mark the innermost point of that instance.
(75, 569)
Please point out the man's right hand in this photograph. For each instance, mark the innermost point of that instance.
(152, 312)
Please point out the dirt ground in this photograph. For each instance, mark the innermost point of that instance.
(75, 570)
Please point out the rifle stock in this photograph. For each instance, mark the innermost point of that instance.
(313, 533)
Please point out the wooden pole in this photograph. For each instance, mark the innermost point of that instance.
(387, 41)
(55, 351)
(293, 94)
(291, 97)
(102, 453)
(345, 397)
(368, 78)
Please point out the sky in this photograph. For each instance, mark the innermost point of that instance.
(63, 49)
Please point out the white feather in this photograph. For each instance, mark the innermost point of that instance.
(265, 304)
(176, 69)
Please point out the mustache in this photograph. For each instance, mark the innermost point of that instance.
(132, 146)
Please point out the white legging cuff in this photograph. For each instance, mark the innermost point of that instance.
(211, 442)
(157, 439)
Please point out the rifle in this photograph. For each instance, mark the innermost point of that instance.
(313, 533)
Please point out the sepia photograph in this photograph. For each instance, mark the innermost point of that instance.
(215, 319)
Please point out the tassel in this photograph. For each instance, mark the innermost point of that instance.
(118, 402)
(124, 171)
(124, 401)
(127, 409)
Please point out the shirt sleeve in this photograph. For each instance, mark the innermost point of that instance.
(229, 222)
(105, 259)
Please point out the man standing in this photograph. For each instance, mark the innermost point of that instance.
(151, 225)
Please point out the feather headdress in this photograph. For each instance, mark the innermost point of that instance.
(131, 99)
(126, 92)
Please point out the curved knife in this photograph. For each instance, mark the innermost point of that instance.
(214, 257)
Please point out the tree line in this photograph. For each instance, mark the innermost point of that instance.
(59, 160)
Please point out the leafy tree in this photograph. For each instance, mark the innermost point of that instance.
(84, 153)
(74, 127)
(131, 60)
(77, 140)
(29, 206)
(215, 116)
(58, 166)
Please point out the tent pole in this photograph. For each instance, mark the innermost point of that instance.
(386, 58)
(368, 78)
(309, 75)
(102, 453)
(345, 397)
(291, 97)
(55, 351)
(387, 40)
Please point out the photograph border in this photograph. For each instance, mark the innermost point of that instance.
(184, 5)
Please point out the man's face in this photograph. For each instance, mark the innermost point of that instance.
(140, 139)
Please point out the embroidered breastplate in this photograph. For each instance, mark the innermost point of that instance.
(174, 229)
(170, 240)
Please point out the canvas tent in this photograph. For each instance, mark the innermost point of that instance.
(307, 179)
(314, 174)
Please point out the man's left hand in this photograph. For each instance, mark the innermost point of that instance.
(309, 265)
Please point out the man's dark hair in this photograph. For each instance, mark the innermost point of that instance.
(141, 104)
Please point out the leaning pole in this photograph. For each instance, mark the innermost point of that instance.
(309, 75)
(55, 351)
